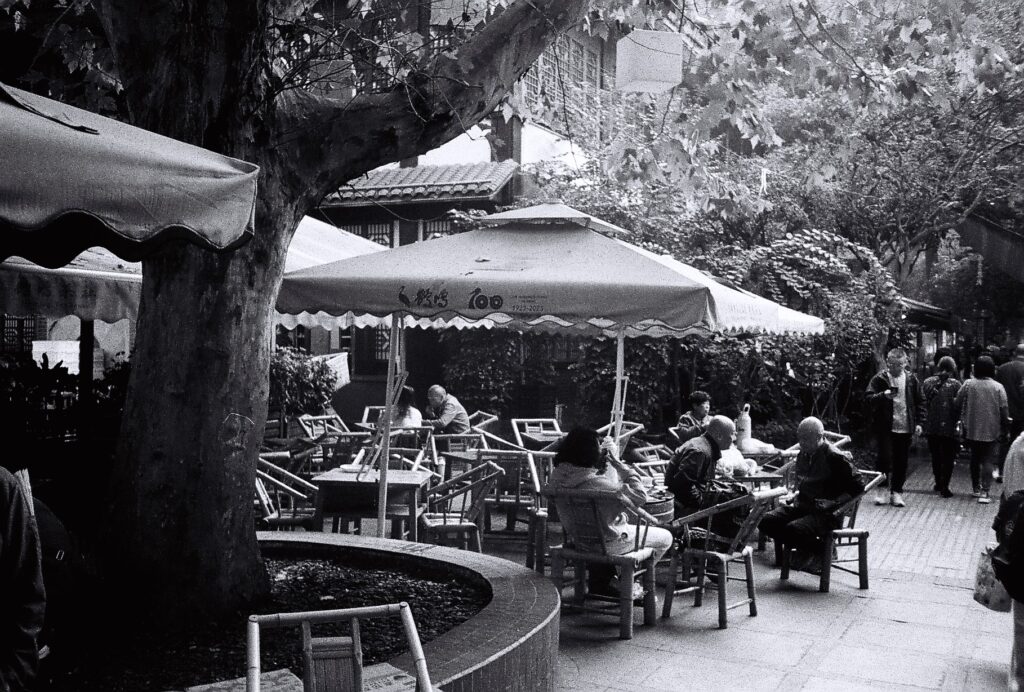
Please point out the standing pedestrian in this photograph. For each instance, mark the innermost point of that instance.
(22, 596)
(984, 415)
(898, 410)
(1011, 375)
(940, 392)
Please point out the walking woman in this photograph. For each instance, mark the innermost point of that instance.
(940, 392)
(984, 413)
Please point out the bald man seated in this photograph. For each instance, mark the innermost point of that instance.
(826, 479)
(692, 467)
(445, 414)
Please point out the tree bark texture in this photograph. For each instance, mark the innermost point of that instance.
(181, 512)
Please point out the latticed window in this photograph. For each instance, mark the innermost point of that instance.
(379, 233)
(436, 227)
(18, 334)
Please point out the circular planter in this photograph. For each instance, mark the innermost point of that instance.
(511, 644)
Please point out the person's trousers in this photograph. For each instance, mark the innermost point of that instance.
(943, 450)
(599, 576)
(1017, 653)
(983, 458)
(797, 527)
(893, 450)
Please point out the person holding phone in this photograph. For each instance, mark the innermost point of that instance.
(898, 401)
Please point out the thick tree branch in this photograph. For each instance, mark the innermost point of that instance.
(338, 141)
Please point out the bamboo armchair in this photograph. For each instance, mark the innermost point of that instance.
(335, 664)
(834, 545)
(454, 507)
(284, 499)
(584, 545)
(719, 551)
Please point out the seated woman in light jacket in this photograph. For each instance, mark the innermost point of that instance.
(584, 462)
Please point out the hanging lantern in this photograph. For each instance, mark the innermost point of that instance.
(649, 61)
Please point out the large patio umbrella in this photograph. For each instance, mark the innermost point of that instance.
(537, 268)
(98, 285)
(71, 179)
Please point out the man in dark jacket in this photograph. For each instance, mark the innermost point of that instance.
(22, 598)
(898, 402)
(692, 467)
(826, 480)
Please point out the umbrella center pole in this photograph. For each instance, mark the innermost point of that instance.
(621, 383)
(396, 380)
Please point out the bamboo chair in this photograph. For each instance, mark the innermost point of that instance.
(458, 442)
(322, 430)
(335, 664)
(317, 426)
(846, 535)
(584, 545)
(284, 499)
(454, 507)
(719, 551)
(482, 420)
(371, 415)
(517, 490)
(628, 430)
(547, 428)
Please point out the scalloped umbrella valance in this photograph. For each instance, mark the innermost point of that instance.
(71, 179)
(531, 275)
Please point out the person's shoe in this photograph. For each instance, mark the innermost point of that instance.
(897, 500)
(946, 492)
(976, 492)
(984, 499)
(996, 476)
(882, 498)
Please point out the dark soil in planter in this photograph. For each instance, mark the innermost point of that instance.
(149, 660)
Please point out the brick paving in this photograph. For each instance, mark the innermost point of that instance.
(916, 628)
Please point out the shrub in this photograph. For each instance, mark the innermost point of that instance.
(299, 383)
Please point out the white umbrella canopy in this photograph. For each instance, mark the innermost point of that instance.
(71, 179)
(98, 285)
(547, 271)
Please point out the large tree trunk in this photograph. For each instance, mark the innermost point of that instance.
(181, 516)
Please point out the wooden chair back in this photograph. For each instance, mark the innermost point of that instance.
(316, 427)
(580, 516)
(482, 420)
(334, 664)
(371, 414)
(627, 431)
(461, 499)
(847, 513)
(759, 503)
(459, 442)
(341, 448)
(519, 484)
(282, 497)
(536, 426)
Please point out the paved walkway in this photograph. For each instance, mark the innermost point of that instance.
(917, 627)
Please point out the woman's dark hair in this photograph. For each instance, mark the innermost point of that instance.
(698, 398)
(947, 367)
(581, 447)
(940, 353)
(405, 401)
(984, 367)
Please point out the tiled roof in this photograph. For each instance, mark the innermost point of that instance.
(425, 183)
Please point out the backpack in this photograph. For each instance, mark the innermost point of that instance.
(1008, 557)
